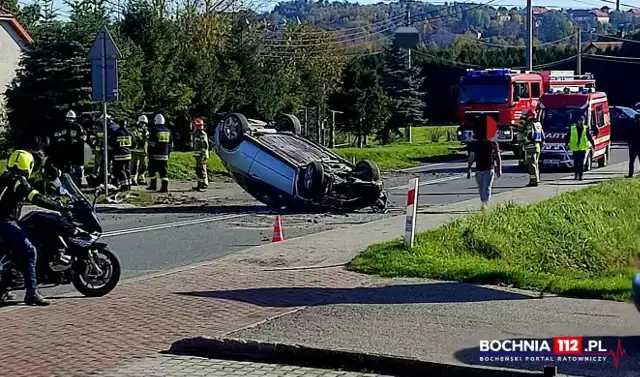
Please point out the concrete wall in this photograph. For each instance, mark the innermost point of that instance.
(10, 52)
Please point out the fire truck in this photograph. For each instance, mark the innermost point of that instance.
(558, 110)
(505, 94)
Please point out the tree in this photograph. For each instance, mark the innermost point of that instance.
(366, 105)
(403, 85)
(37, 95)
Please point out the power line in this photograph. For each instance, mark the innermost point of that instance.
(597, 57)
(617, 38)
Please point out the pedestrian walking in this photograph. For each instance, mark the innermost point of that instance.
(579, 139)
(533, 140)
(633, 143)
(485, 152)
(122, 143)
(201, 153)
(159, 151)
(139, 151)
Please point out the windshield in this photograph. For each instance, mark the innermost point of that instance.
(630, 112)
(556, 120)
(484, 89)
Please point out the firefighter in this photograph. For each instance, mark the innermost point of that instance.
(201, 153)
(122, 142)
(578, 142)
(520, 137)
(139, 152)
(98, 150)
(533, 140)
(159, 151)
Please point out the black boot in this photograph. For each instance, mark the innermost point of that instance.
(165, 186)
(153, 185)
(33, 298)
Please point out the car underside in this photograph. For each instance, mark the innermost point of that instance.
(322, 179)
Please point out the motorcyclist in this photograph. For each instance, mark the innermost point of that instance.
(15, 189)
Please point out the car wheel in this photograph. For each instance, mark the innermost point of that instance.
(367, 171)
(289, 123)
(232, 130)
(604, 161)
(311, 182)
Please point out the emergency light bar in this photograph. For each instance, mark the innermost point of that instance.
(492, 72)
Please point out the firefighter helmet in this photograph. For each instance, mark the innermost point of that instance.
(158, 119)
(531, 114)
(21, 160)
(71, 114)
(198, 123)
(143, 119)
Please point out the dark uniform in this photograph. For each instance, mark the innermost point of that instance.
(633, 143)
(159, 151)
(14, 190)
(122, 142)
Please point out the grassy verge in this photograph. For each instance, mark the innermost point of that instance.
(583, 243)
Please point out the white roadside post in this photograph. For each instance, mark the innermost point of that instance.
(412, 208)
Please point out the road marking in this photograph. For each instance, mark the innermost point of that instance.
(433, 181)
(175, 224)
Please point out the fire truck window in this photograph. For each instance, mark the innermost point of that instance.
(600, 116)
(535, 90)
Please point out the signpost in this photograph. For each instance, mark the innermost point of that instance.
(104, 56)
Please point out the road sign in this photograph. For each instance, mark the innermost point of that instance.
(108, 51)
(104, 56)
(97, 82)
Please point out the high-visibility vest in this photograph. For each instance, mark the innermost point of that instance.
(574, 143)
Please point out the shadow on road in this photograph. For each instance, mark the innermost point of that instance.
(393, 294)
(461, 170)
(626, 357)
(201, 208)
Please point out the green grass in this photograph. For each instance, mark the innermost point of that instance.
(430, 144)
(583, 243)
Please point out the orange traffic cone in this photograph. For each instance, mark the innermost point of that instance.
(277, 231)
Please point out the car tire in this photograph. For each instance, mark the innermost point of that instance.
(232, 130)
(367, 171)
(289, 123)
(604, 161)
(311, 181)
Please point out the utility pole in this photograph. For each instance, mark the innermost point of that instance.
(618, 5)
(579, 59)
(408, 24)
(529, 53)
(332, 128)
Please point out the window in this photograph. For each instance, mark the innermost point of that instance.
(535, 90)
(599, 116)
(521, 90)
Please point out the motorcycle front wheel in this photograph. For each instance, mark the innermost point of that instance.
(93, 283)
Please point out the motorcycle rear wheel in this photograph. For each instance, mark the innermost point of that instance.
(109, 262)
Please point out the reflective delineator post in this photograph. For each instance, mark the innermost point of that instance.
(412, 207)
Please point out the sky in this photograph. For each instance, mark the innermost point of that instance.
(575, 4)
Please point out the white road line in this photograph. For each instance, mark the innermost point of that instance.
(433, 181)
(176, 224)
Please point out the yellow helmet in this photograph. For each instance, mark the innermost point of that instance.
(21, 160)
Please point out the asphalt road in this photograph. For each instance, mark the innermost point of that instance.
(152, 240)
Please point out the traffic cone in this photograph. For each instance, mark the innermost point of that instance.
(277, 231)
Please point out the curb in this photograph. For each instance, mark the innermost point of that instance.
(299, 355)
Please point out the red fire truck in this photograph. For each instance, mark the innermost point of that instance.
(505, 94)
(559, 110)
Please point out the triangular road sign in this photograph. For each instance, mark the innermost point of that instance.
(111, 50)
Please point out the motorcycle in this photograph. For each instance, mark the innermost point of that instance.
(69, 247)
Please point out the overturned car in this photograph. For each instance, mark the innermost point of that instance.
(278, 167)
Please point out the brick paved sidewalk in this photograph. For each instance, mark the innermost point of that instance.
(80, 336)
(185, 366)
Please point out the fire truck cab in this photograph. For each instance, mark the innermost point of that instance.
(558, 110)
(506, 94)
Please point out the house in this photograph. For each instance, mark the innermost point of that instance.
(593, 47)
(635, 12)
(503, 16)
(584, 15)
(13, 41)
(535, 10)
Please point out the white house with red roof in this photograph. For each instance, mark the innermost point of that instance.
(13, 41)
